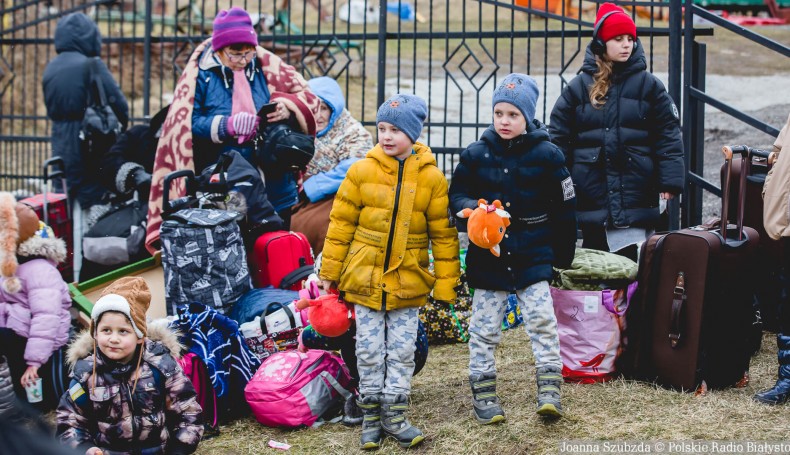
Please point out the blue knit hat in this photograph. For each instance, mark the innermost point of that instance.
(519, 90)
(407, 112)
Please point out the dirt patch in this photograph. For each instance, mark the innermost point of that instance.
(722, 129)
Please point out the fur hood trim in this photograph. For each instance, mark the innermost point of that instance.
(158, 331)
(9, 233)
(53, 249)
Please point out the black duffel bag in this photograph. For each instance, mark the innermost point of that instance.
(118, 237)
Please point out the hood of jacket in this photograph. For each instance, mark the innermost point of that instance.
(78, 33)
(635, 63)
(536, 132)
(36, 247)
(158, 332)
(330, 93)
(53, 249)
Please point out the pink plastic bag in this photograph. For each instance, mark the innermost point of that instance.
(590, 324)
(292, 388)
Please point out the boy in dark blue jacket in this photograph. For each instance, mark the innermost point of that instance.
(515, 162)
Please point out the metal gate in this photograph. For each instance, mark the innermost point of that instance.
(450, 52)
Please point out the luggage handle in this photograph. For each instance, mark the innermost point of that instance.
(168, 205)
(270, 310)
(728, 152)
(678, 296)
(292, 277)
(59, 171)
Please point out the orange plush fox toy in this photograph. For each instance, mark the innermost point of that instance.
(486, 225)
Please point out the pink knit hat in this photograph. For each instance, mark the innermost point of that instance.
(233, 26)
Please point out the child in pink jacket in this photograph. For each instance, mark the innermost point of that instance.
(34, 302)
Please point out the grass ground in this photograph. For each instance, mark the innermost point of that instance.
(615, 411)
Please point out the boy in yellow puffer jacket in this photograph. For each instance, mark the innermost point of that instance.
(390, 206)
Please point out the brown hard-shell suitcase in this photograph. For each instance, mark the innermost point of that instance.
(690, 324)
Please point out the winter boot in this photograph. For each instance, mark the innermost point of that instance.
(780, 393)
(371, 421)
(485, 403)
(394, 423)
(549, 379)
(352, 414)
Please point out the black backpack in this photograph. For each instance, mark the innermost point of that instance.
(285, 149)
(100, 126)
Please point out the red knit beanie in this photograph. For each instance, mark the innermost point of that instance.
(617, 24)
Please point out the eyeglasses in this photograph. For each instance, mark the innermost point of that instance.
(236, 58)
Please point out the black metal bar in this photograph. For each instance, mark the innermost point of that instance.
(658, 32)
(149, 25)
(727, 109)
(31, 23)
(746, 33)
(697, 179)
(675, 59)
(382, 63)
(697, 129)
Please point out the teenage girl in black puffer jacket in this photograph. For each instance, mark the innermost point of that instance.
(620, 133)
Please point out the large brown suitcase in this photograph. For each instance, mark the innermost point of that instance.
(768, 285)
(691, 322)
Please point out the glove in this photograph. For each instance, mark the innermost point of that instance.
(243, 124)
(139, 180)
(142, 182)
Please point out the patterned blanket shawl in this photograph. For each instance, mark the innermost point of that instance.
(174, 151)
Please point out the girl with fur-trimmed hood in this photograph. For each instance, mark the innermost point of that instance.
(128, 394)
(34, 301)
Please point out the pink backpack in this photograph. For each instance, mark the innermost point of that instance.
(197, 372)
(293, 388)
(590, 325)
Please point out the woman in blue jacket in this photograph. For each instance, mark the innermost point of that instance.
(235, 79)
(340, 141)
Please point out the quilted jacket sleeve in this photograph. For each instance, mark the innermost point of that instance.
(73, 425)
(444, 241)
(668, 145)
(44, 292)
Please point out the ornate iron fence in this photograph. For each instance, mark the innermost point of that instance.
(450, 52)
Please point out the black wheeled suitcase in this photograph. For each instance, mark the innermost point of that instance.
(768, 285)
(690, 325)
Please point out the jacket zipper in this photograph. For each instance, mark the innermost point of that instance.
(131, 407)
(392, 232)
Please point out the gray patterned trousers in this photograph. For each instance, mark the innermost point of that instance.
(385, 350)
(485, 327)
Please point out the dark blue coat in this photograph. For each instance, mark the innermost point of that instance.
(528, 176)
(213, 104)
(66, 84)
(624, 154)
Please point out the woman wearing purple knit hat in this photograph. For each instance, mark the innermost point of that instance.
(620, 132)
(236, 78)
